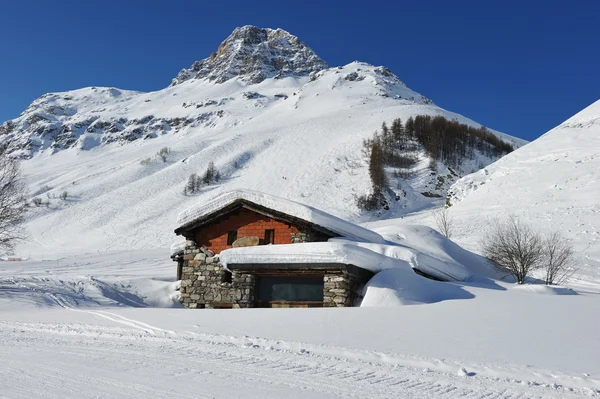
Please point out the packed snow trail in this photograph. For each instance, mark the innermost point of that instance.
(59, 360)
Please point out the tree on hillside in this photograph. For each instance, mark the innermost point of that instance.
(514, 246)
(13, 201)
(212, 174)
(444, 221)
(376, 170)
(558, 259)
(376, 173)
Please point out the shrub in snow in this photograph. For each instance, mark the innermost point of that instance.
(37, 201)
(558, 259)
(64, 195)
(518, 248)
(514, 246)
(444, 221)
(13, 200)
(163, 153)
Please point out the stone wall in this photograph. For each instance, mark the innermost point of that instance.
(342, 287)
(339, 289)
(206, 284)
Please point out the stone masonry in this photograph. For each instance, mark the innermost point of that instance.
(339, 289)
(205, 284)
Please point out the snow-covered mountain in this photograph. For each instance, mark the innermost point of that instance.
(552, 183)
(264, 108)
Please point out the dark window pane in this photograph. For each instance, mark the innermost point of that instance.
(231, 237)
(301, 289)
(226, 276)
(269, 237)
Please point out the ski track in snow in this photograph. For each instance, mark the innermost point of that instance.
(133, 359)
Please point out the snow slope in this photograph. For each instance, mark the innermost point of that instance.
(296, 134)
(552, 183)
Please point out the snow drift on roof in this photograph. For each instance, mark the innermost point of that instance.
(288, 207)
(368, 256)
(313, 252)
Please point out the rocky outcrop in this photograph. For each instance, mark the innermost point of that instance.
(59, 121)
(253, 55)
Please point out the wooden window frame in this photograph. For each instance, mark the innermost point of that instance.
(269, 236)
(231, 237)
(268, 304)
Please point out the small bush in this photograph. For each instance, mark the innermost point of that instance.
(37, 201)
(64, 195)
(444, 222)
(519, 249)
(558, 259)
(515, 247)
(146, 161)
(163, 153)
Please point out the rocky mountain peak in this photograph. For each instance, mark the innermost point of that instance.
(254, 54)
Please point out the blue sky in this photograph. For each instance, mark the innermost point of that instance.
(519, 67)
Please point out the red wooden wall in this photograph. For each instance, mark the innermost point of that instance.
(247, 223)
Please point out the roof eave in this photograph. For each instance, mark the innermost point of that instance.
(243, 203)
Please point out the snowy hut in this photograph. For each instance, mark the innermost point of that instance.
(218, 269)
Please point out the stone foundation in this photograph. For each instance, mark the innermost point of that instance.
(206, 284)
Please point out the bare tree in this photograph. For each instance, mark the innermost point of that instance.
(163, 153)
(13, 201)
(514, 246)
(558, 259)
(444, 221)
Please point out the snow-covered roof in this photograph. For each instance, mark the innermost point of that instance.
(368, 256)
(291, 208)
(178, 246)
(312, 253)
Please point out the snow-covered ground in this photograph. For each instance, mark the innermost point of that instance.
(448, 350)
(89, 326)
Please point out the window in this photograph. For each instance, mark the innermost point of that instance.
(226, 276)
(231, 237)
(269, 236)
(290, 289)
